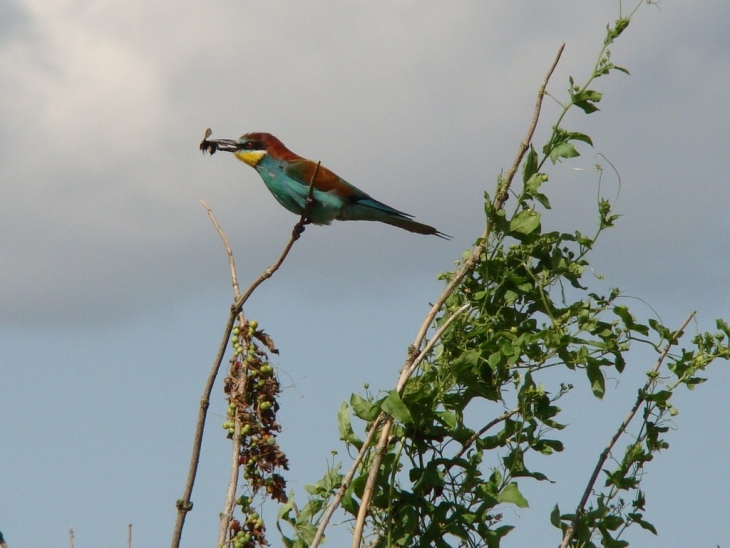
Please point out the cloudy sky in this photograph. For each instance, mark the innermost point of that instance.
(114, 286)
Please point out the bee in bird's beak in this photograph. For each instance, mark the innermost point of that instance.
(211, 146)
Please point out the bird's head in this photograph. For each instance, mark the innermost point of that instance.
(250, 148)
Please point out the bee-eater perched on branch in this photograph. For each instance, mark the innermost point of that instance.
(288, 176)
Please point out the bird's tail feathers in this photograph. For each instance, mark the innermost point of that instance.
(414, 226)
(372, 210)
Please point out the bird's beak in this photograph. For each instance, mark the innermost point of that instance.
(212, 145)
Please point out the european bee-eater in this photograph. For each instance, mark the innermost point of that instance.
(288, 176)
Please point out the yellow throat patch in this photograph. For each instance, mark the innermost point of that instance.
(251, 157)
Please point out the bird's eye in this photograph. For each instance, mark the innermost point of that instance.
(248, 145)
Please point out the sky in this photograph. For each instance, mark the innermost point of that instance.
(115, 288)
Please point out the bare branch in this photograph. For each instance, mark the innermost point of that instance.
(184, 504)
(229, 251)
(296, 233)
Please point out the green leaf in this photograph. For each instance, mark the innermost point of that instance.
(548, 447)
(609, 542)
(345, 426)
(598, 381)
(613, 522)
(529, 168)
(525, 222)
(555, 517)
(511, 495)
(493, 536)
(586, 99)
(363, 408)
(664, 332)
(563, 150)
(587, 107)
(661, 397)
(629, 320)
(615, 32)
(449, 418)
(430, 478)
(577, 136)
(533, 183)
(542, 199)
(349, 504)
(307, 532)
(395, 407)
(637, 518)
(531, 189)
(310, 510)
(488, 206)
(285, 508)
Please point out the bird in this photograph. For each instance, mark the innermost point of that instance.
(288, 176)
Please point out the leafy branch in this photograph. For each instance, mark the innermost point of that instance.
(516, 307)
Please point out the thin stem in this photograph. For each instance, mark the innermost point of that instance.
(391, 490)
(346, 481)
(476, 435)
(229, 251)
(367, 494)
(227, 514)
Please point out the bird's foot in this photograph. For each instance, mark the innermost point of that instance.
(298, 230)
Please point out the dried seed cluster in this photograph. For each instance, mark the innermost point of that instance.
(252, 388)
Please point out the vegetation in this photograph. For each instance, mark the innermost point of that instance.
(517, 318)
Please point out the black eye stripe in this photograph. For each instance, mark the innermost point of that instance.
(252, 145)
